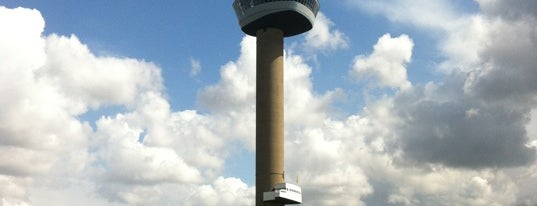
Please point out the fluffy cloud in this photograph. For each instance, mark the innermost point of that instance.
(460, 132)
(319, 159)
(230, 191)
(39, 132)
(477, 118)
(453, 141)
(317, 147)
(506, 71)
(323, 38)
(237, 84)
(232, 100)
(49, 82)
(387, 62)
(302, 106)
(481, 110)
(100, 80)
(127, 160)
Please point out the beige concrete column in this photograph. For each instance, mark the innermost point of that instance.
(269, 114)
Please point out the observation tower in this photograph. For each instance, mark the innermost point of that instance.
(270, 21)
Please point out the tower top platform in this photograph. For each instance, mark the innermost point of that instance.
(291, 16)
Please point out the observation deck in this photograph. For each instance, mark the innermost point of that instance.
(291, 16)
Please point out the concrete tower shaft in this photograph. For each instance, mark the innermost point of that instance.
(269, 114)
(270, 21)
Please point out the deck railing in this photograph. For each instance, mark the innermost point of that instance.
(241, 6)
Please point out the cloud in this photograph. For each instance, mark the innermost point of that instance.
(387, 63)
(424, 145)
(236, 88)
(95, 80)
(49, 83)
(531, 127)
(231, 101)
(323, 37)
(497, 84)
(146, 151)
(195, 67)
(437, 14)
(508, 9)
(226, 191)
(454, 140)
(324, 171)
(442, 131)
(476, 118)
(303, 107)
(484, 78)
(38, 125)
(506, 71)
(128, 161)
(454, 29)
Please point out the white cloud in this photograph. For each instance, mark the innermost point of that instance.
(302, 106)
(37, 122)
(463, 44)
(48, 82)
(459, 33)
(236, 89)
(96, 81)
(387, 63)
(323, 37)
(489, 62)
(13, 190)
(232, 100)
(150, 155)
(21, 38)
(195, 67)
(128, 161)
(429, 14)
(531, 127)
(225, 191)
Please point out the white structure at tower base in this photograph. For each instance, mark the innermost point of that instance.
(284, 193)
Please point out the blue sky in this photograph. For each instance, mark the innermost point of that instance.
(158, 33)
(388, 102)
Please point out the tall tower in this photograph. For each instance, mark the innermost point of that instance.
(270, 21)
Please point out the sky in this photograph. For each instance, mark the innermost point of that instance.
(387, 102)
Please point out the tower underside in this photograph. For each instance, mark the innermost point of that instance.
(292, 17)
(290, 22)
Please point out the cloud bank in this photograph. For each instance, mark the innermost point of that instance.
(467, 139)
(48, 83)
